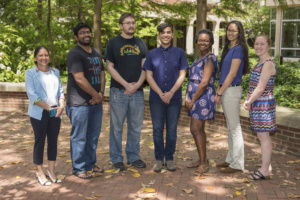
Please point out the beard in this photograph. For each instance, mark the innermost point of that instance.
(85, 43)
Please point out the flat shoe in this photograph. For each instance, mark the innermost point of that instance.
(194, 164)
(97, 169)
(202, 169)
(224, 164)
(257, 175)
(80, 174)
(229, 170)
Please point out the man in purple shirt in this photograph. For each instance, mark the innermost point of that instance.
(165, 72)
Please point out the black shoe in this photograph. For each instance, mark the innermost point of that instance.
(138, 163)
(119, 165)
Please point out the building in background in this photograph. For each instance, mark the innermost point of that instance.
(285, 29)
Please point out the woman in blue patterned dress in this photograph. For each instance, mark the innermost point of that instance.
(261, 103)
(200, 95)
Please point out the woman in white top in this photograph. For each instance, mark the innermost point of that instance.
(46, 105)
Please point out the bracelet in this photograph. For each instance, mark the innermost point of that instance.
(219, 95)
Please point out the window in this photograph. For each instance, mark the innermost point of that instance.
(290, 42)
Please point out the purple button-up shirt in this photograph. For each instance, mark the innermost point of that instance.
(165, 65)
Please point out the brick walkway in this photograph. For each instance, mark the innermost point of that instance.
(17, 173)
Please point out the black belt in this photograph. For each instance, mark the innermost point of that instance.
(232, 85)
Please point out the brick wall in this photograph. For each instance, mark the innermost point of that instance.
(285, 139)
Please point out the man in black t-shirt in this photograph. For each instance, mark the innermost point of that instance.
(86, 84)
(125, 56)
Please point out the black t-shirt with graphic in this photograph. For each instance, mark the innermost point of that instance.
(127, 55)
(78, 60)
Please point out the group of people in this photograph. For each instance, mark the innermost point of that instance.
(165, 69)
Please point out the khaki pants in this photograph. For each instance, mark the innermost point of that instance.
(231, 107)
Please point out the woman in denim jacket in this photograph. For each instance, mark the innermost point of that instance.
(45, 109)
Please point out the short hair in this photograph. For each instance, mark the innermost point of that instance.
(207, 32)
(162, 26)
(124, 16)
(37, 50)
(79, 26)
(266, 37)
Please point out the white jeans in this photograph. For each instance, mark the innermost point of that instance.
(231, 107)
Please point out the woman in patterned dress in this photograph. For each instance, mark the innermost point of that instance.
(200, 95)
(260, 103)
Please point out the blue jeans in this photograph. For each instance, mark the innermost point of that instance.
(161, 113)
(132, 106)
(85, 132)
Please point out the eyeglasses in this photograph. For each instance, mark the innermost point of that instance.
(232, 31)
(84, 33)
(203, 41)
(130, 23)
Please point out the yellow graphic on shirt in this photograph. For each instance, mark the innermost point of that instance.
(130, 50)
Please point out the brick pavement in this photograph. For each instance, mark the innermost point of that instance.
(17, 174)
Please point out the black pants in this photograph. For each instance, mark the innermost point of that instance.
(47, 126)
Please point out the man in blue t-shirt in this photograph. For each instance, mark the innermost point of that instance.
(165, 72)
(125, 56)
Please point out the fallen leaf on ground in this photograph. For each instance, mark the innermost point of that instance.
(298, 169)
(133, 170)
(188, 191)
(297, 178)
(109, 170)
(163, 171)
(214, 164)
(98, 195)
(199, 177)
(180, 167)
(89, 197)
(239, 188)
(68, 161)
(208, 174)
(210, 188)
(140, 191)
(150, 190)
(229, 195)
(80, 195)
(33, 168)
(136, 175)
(246, 180)
(15, 162)
(25, 164)
(152, 182)
(60, 176)
(186, 158)
(170, 185)
(149, 196)
(17, 177)
(293, 196)
(109, 176)
(116, 171)
(104, 152)
(238, 193)
(62, 155)
(3, 166)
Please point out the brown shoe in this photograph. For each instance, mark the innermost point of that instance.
(224, 164)
(229, 170)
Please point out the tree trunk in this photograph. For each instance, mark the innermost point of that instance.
(201, 18)
(97, 25)
(49, 32)
(40, 17)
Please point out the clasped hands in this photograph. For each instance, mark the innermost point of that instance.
(166, 97)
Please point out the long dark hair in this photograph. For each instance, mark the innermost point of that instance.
(241, 41)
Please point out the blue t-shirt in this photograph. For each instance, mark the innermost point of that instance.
(235, 52)
(165, 65)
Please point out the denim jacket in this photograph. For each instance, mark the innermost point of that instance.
(36, 90)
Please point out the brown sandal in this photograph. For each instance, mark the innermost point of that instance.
(97, 169)
(194, 164)
(203, 168)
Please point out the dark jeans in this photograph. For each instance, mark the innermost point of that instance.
(47, 126)
(86, 126)
(161, 113)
